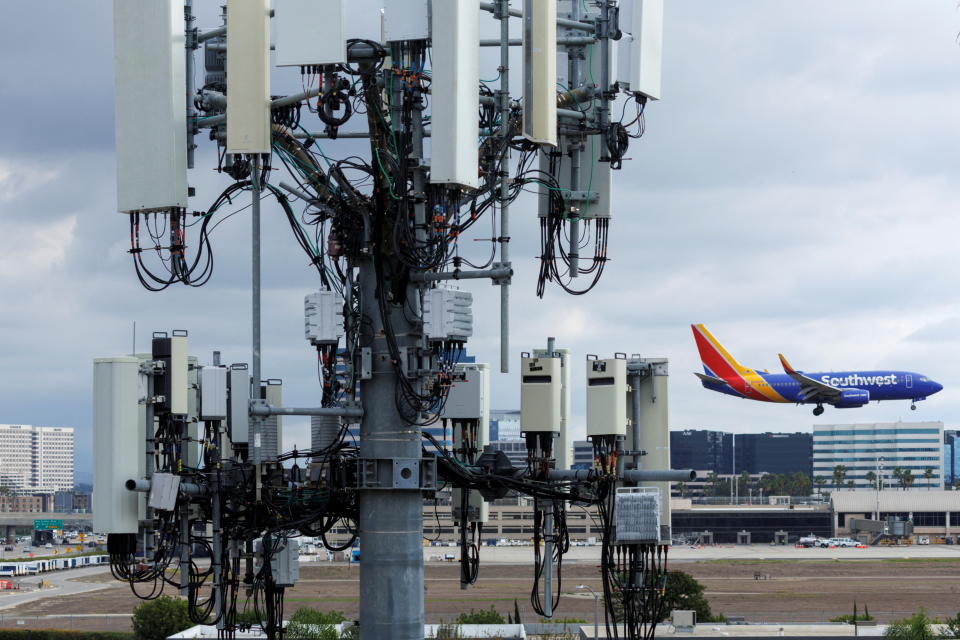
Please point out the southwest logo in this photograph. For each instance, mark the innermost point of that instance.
(857, 380)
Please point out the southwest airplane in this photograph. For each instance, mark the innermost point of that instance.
(842, 389)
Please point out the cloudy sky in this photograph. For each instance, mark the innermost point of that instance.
(795, 191)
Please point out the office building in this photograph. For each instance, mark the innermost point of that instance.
(582, 454)
(702, 450)
(778, 453)
(951, 458)
(516, 451)
(36, 459)
(504, 424)
(885, 449)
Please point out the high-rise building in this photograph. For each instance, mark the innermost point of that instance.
(702, 450)
(36, 459)
(951, 457)
(885, 449)
(780, 453)
(582, 454)
(504, 424)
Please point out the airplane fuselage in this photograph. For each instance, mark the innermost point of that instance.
(780, 387)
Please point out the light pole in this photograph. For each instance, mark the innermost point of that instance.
(596, 609)
(879, 480)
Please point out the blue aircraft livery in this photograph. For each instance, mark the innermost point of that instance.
(842, 389)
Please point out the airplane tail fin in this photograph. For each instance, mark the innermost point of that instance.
(717, 361)
(786, 365)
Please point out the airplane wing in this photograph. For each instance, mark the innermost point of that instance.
(812, 390)
(710, 379)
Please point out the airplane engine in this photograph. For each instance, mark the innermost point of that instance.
(851, 398)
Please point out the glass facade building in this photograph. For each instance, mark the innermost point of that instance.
(780, 453)
(702, 450)
(880, 448)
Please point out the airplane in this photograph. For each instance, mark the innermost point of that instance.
(842, 389)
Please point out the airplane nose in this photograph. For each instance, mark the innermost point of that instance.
(935, 387)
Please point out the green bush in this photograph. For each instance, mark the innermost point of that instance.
(684, 592)
(306, 615)
(916, 627)
(483, 616)
(160, 618)
(310, 624)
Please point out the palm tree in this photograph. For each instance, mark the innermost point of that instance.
(851, 484)
(819, 481)
(871, 477)
(928, 476)
(898, 474)
(839, 474)
(907, 479)
(682, 489)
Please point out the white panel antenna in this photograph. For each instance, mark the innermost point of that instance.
(248, 76)
(641, 48)
(151, 119)
(118, 444)
(310, 32)
(408, 19)
(456, 78)
(540, 71)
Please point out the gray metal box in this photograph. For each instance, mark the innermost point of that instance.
(465, 400)
(213, 393)
(238, 414)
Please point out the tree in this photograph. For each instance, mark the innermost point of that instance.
(744, 483)
(819, 481)
(161, 618)
(928, 476)
(851, 484)
(898, 475)
(871, 478)
(684, 592)
(839, 475)
(916, 627)
(682, 489)
(907, 479)
(799, 484)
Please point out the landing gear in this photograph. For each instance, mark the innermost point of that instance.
(913, 407)
(819, 410)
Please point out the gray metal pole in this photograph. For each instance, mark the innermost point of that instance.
(256, 422)
(574, 55)
(548, 562)
(502, 13)
(596, 615)
(391, 521)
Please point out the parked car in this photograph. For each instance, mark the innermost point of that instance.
(8, 548)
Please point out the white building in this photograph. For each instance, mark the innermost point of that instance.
(880, 448)
(36, 459)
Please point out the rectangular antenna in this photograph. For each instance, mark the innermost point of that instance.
(408, 19)
(540, 71)
(310, 32)
(456, 78)
(641, 48)
(248, 76)
(151, 122)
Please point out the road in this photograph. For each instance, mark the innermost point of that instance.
(64, 584)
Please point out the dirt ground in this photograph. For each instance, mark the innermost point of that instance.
(786, 591)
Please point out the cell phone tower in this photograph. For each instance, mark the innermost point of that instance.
(385, 229)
